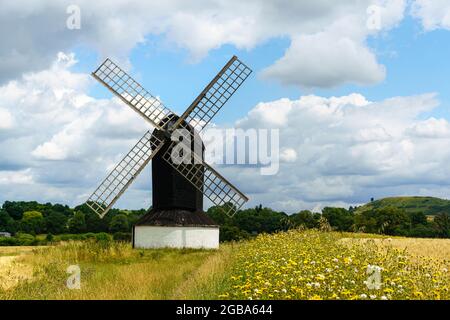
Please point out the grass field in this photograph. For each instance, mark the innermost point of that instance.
(291, 265)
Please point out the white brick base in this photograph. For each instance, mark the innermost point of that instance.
(176, 237)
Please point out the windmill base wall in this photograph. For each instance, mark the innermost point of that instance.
(176, 237)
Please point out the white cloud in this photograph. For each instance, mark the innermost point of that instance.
(349, 150)
(432, 14)
(32, 33)
(62, 140)
(16, 177)
(308, 62)
(6, 119)
(288, 155)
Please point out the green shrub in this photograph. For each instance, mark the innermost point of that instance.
(8, 242)
(122, 236)
(89, 235)
(103, 236)
(25, 239)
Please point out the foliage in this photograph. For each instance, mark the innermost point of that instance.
(122, 236)
(119, 223)
(339, 218)
(393, 216)
(77, 224)
(25, 239)
(32, 222)
(442, 224)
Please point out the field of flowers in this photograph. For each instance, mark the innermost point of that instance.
(322, 265)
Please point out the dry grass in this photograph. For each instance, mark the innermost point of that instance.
(417, 247)
(432, 248)
(12, 271)
(15, 251)
(109, 271)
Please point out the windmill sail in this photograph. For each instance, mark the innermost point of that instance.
(215, 94)
(124, 173)
(208, 181)
(132, 93)
(198, 115)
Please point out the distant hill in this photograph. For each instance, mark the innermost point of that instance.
(428, 205)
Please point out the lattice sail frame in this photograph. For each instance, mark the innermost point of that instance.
(208, 181)
(124, 173)
(214, 186)
(133, 94)
(215, 95)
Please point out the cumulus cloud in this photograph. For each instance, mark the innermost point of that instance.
(62, 141)
(432, 14)
(348, 150)
(308, 62)
(32, 33)
(6, 119)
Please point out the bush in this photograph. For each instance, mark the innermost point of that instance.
(8, 242)
(122, 236)
(89, 235)
(25, 239)
(49, 237)
(103, 237)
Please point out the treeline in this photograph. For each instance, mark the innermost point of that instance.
(34, 218)
(388, 221)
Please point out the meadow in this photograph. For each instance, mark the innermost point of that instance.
(298, 264)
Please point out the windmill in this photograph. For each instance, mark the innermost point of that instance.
(176, 218)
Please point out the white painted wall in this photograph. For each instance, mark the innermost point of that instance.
(176, 237)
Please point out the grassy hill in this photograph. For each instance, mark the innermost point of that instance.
(428, 205)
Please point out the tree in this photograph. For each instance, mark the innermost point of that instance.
(304, 218)
(441, 224)
(7, 223)
(77, 223)
(14, 209)
(232, 233)
(339, 218)
(56, 223)
(387, 220)
(94, 223)
(119, 223)
(32, 222)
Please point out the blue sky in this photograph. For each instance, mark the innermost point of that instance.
(361, 112)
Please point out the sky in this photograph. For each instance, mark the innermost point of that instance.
(358, 90)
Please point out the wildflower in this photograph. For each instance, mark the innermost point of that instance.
(363, 296)
(320, 277)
